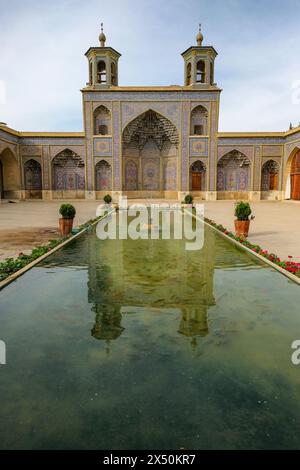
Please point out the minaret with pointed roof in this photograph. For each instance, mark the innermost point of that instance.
(199, 64)
(103, 64)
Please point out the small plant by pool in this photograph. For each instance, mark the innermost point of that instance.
(288, 265)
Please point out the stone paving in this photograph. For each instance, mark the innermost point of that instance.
(276, 226)
(24, 225)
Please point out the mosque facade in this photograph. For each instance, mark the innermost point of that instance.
(158, 142)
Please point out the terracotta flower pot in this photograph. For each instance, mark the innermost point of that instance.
(242, 228)
(65, 226)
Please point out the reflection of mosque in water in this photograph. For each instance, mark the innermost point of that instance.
(141, 276)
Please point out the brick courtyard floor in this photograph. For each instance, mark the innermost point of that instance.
(276, 226)
(24, 225)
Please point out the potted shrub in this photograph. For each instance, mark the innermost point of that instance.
(67, 212)
(243, 216)
(107, 199)
(188, 201)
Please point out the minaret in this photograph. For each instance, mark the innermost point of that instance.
(199, 64)
(103, 64)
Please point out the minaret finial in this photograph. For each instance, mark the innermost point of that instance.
(102, 37)
(199, 37)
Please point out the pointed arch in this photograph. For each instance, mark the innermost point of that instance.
(234, 172)
(9, 175)
(148, 124)
(103, 176)
(131, 175)
(102, 121)
(290, 175)
(199, 119)
(295, 177)
(150, 148)
(32, 179)
(101, 72)
(270, 176)
(198, 176)
(68, 175)
(200, 71)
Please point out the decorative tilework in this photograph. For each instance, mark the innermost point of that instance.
(89, 148)
(151, 95)
(9, 137)
(293, 137)
(97, 104)
(290, 148)
(272, 151)
(45, 159)
(184, 146)
(78, 149)
(198, 147)
(132, 110)
(59, 141)
(205, 104)
(246, 150)
(213, 147)
(33, 150)
(257, 151)
(102, 147)
(12, 147)
(251, 141)
(116, 148)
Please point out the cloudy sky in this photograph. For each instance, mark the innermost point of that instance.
(43, 67)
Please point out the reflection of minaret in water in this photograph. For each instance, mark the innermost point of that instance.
(194, 323)
(107, 325)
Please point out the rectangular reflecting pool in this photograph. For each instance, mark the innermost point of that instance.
(143, 345)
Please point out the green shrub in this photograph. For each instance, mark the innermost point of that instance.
(188, 199)
(107, 199)
(67, 211)
(242, 210)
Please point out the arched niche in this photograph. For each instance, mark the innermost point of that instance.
(68, 175)
(9, 175)
(102, 121)
(32, 179)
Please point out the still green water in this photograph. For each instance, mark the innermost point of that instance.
(143, 345)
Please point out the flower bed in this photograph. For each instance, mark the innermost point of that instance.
(289, 265)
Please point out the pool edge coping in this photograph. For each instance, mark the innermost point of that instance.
(31, 265)
(286, 273)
